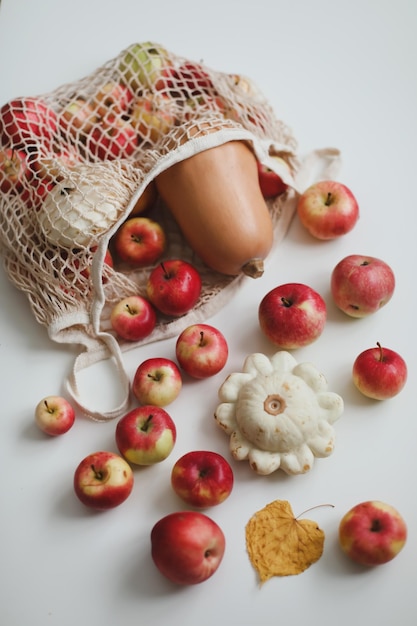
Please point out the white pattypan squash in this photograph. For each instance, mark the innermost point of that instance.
(278, 413)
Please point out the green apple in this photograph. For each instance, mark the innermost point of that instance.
(142, 64)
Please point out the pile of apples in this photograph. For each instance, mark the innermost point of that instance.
(172, 289)
(146, 435)
(188, 546)
(137, 107)
(150, 97)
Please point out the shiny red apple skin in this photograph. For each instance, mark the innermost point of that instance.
(270, 183)
(103, 480)
(328, 209)
(146, 435)
(292, 315)
(133, 318)
(27, 121)
(379, 373)
(201, 350)
(195, 78)
(108, 260)
(187, 547)
(157, 381)
(113, 138)
(113, 97)
(54, 415)
(372, 533)
(361, 284)
(139, 241)
(202, 478)
(174, 287)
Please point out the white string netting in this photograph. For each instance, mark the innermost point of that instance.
(76, 162)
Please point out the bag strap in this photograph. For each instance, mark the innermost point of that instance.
(319, 164)
(107, 351)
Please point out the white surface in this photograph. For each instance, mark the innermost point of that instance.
(341, 74)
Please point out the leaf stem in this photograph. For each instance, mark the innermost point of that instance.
(318, 506)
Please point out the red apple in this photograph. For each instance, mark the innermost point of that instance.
(157, 381)
(13, 169)
(103, 480)
(292, 315)
(248, 115)
(379, 373)
(328, 209)
(146, 435)
(140, 241)
(187, 547)
(201, 350)
(74, 269)
(270, 183)
(86, 271)
(36, 192)
(113, 97)
(202, 478)
(185, 82)
(360, 285)
(169, 83)
(77, 119)
(153, 117)
(133, 318)
(26, 121)
(174, 287)
(113, 138)
(54, 415)
(372, 533)
(195, 78)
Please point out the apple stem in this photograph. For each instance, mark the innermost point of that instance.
(318, 506)
(328, 199)
(146, 424)
(201, 339)
(381, 352)
(98, 475)
(130, 310)
(66, 191)
(48, 408)
(166, 274)
(286, 302)
(375, 526)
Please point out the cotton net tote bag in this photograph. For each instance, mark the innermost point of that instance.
(77, 162)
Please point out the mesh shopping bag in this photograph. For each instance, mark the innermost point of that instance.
(76, 163)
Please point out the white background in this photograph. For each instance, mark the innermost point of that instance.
(341, 74)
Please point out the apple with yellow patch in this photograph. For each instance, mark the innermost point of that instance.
(372, 533)
(146, 435)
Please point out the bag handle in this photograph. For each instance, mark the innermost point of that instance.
(319, 164)
(107, 351)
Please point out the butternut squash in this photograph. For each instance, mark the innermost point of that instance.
(215, 198)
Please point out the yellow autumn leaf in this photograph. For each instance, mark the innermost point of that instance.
(278, 544)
